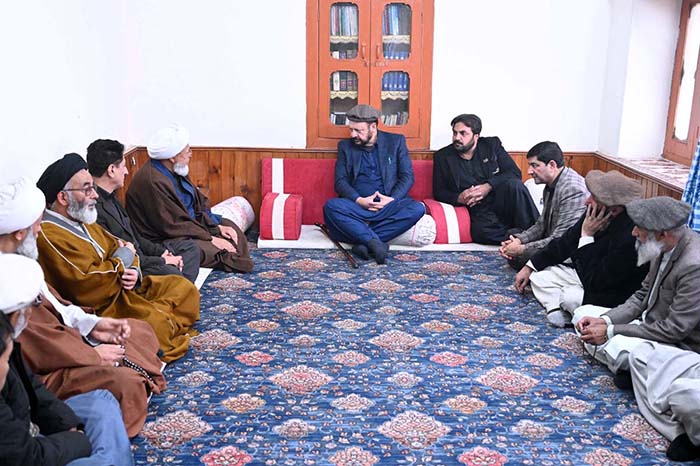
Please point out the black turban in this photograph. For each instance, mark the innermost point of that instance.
(57, 175)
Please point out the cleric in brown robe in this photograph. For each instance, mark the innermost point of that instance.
(71, 350)
(90, 267)
(164, 204)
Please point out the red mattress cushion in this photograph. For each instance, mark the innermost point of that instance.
(280, 216)
(452, 224)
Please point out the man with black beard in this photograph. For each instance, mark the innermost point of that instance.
(373, 175)
(478, 173)
(666, 309)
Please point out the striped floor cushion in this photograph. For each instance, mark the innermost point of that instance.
(452, 224)
(280, 216)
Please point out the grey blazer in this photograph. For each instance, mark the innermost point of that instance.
(561, 211)
(674, 312)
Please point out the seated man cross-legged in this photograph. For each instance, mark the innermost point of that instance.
(666, 309)
(565, 195)
(594, 261)
(478, 173)
(106, 163)
(373, 175)
(90, 267)
(165, 205)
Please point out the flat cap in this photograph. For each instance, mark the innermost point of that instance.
(58, 174)
(363, 113)
(613, 188)
(661, 213)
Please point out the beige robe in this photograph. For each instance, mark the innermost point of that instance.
(89, 277)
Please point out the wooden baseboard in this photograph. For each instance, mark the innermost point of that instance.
(222, 172)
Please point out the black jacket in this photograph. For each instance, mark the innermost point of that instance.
(23, 399)
(495, 167)
(112, 216)
(607, 267)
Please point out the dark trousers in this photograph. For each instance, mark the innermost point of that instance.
(350, 223)
(189, 251)
(510, 206)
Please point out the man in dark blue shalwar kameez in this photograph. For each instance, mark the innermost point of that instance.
(373, 175)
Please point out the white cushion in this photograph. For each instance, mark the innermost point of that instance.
(420, 234)
(238, 210)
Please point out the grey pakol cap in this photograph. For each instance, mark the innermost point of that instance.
(363, 113)
(661, 213)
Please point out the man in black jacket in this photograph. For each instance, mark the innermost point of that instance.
(594, 261)
(106, 164)
(36, 428)
(478, 173)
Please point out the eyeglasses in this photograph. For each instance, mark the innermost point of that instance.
(87, 190)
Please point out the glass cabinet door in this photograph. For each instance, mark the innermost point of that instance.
(344, 31)
(396, 31)
(343, 95)
(396, 86)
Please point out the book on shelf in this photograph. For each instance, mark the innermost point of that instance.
(343, 20)
(336, 81)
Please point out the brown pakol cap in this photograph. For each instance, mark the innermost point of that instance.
(613, 188)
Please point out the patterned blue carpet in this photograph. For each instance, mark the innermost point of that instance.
(433, 359)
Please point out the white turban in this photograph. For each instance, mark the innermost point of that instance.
(21, 204)
(21, 280)
(168, 142)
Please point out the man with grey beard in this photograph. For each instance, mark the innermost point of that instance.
(165, 205)
(91, 267)
(73, 351)
(666, 309)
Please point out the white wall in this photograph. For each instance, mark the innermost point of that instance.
(57, 71)
(531, 70)
(232, 72)
(647, 89)
(590, 74)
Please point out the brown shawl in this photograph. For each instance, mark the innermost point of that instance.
(156, 211)
(69, 366)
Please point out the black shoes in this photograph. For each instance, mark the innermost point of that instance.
(682, 449)
(623, 380)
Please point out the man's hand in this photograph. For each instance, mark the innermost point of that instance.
(476, 194)
(368, 202)
(172, 260)
(222, 243)
(597, 219)
(126, 244)
(129, 279)
(593, 330)
(512, 247)
(383, 200)
(108, 330)
(522, 278)
(110, 355)
(229, 232)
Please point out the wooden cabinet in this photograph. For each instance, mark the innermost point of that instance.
(377, 52)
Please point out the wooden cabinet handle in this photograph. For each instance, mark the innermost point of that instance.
(363, 50)
(378, 51)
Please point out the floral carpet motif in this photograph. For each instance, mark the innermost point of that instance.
(433, 358)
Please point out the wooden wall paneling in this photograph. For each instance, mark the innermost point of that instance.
(225, 172)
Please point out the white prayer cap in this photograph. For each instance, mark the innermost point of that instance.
(21, 280)
(21, 204)
(168, 142)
